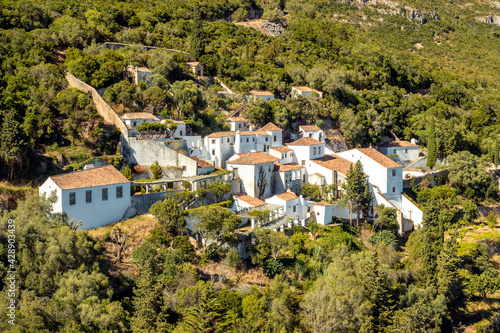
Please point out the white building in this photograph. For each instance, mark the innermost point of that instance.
(333, 168)
(275, 132)
(256, 172)
(306, 149)
(136, 74)
(134, 119)
(96, 196)
(288, 176)
(295, 207)
(244, 202)
(255, 95)
(323, 212)
(405, 151)
(305, 92)
(220, 146)
(284, 153)
(196, 67)
(203, 167)
(181, 129)
(312, 131)
(237, 123)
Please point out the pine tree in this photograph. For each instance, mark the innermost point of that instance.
(431, 145)
(449, 283)
(12, 143)
(357, 196)
(206, 317)
(147, 301)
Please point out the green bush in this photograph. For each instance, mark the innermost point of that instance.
(184, 245)
(384, 236)
(161, 236)
(233, 258)
(272, 268)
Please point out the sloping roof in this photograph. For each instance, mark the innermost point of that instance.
(140, 115)
(270, 127)
(286, 196)
(233, 133)
(334, 163)
(201, 163)
(322, 203)
(143, 69)
(317, 174)
(253, 158)
(305, 142)
(261, 93)
(309, 128)
(236, 119)
(287, 167)
(193, 63)
(254, 202)
(398, 144)
(305, 89)
(380, 158)
(101, 176)
(282, 149)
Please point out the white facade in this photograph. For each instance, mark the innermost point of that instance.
(284, 153)
(305, 92)
(404, 150)
(262, 95)
(312, 131)
(180, 131)
(323, 213)
(293, 205)
(385, 174)
(95, 206)
(237, 123)
(307, 150)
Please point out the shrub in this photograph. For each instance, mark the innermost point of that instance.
(161, 236)
(156, 170)
(385, 236)
(272, 268)
(184, 245)
(233, 258)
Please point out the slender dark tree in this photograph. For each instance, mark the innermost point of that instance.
(197, 42)
(431, 145)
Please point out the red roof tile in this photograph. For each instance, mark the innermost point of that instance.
(282, 149)
(398, 144)
(380, 158)
(305, 142)
(270, 127)
(305, 89)
(254, 202)
(260, 93)
(101, 176)
(253, 158)
(309, 128)
(322, 203)
(236, 119)
(233, 133)
(201, 163)
(334, 163)
(287, 167)
(287, 196)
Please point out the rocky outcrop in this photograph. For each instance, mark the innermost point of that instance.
(492, 19)
(273, 29)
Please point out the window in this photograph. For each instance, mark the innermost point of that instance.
(247, 139)
(104, 194)
(314, 151)
(180, 133)
(213, 141)
(317, 213)
(275, 138)
(245, 124)
(294, 208)
(239, 125)
(72, 198)
(119, 192)
(308, 209)
(393, 189)
(135, 123)
(406, 151)
(319, 150)
(394, 151)
(88, 196)
(213, 151)
(310, 135)
(303, 162)
(267, 139)
(253, 139)
(227, 139)
(394, 172)
(183, 168)
(304, 178)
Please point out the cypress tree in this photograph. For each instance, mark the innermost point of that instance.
(431, 145)
(197, 37)
(495, 153)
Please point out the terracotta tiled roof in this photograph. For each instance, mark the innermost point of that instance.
(236, 119)
(305, 89)
(101, 176)
(287, 196)
(193, 63)
(317, 174)
(398, 144)
(309, 128)
(233, 133)
(261, 93)
(270, 127)
(380, 158)
(305, 142)
(140, 115)
(131, 68)
(254, 202)
(253, 158)
(287, 167)
(282, 149)
(322, 203)
(201, 163)
(335, 163)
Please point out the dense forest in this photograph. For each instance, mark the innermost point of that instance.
(386, 69)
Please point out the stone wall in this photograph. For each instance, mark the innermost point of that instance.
(102, 107)
(141, 203)
(440, 174)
